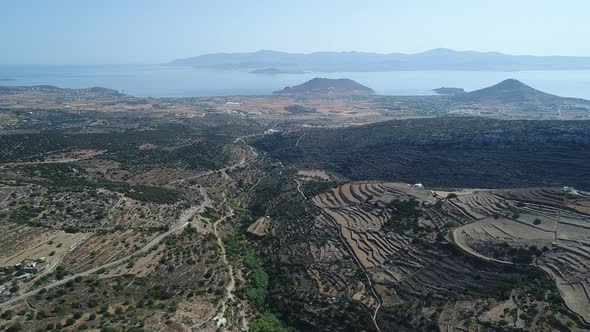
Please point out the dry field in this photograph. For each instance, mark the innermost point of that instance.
(268, 109)
(99, 249)
(260, 227)
(20, 243)
(271, 108)
(314, 174)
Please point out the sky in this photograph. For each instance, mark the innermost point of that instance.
(149, 31)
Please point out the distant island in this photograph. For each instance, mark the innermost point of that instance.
(275, 71)
(449, 91)
(437, 59)
(323, 86)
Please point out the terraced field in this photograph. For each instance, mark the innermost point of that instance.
(358, 258)
(356, 208)
(551, 227)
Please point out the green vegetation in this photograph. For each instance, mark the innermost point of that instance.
(312, 188)
(268, 189)
(447, 152)
(518, 255)
(24, 215)
(235, 245)
(236, 204)
(72, 229)
(404, 216)
(61, 176)
(202, 155)
(268, 323)
(257, 278)
(209, 214)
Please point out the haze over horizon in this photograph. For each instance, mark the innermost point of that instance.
(114, 32)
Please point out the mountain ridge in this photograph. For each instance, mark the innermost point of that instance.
(353, 61)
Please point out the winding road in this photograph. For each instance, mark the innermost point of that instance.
(182, 223)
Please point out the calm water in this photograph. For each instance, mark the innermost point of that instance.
(168, 81)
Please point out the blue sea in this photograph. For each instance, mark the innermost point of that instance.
(172, 81)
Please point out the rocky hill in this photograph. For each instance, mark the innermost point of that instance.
(327, 86)
(509, 91)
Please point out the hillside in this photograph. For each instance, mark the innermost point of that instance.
(509, 91)
(455, 152)
(327, 86)
(437, 59)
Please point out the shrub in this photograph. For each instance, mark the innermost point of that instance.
(72, 229)
(16, 327)
(268, 323)
(451, 224)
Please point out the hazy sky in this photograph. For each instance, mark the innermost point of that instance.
(149, 31)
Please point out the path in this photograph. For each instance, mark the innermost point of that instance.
(232, 282)
(299, 139)
(299, 189)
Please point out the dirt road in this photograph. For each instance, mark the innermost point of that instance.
(182, 223)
